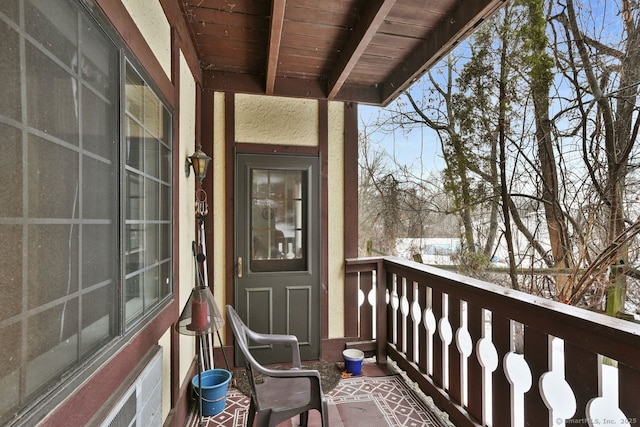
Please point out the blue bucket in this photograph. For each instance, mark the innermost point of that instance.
(353, 360)
(215, 383)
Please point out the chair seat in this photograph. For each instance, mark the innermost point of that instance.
(280, 394)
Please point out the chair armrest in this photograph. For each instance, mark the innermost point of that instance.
(271, 338)
(290, 340)
(291, 373)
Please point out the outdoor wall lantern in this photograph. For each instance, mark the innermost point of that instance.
(200, 163)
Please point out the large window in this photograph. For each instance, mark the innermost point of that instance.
(85, 196)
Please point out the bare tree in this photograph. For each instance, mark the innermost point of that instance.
(606, 80)
(391, 204)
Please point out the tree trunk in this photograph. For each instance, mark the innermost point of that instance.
(502, 113)
(540, 64)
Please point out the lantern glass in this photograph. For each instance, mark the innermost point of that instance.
(200, 162)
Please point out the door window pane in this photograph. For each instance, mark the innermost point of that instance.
(278, 231)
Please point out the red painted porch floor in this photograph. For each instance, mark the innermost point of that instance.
(378, 397)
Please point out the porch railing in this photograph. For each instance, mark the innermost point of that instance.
(488, 355)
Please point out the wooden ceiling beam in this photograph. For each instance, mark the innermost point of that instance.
(455, 28)
(284, 86)
(275, 39)
(370, 21)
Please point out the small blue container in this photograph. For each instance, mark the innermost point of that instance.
(353, 361)
(215, 383)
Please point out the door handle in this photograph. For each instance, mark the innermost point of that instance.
(239, 267)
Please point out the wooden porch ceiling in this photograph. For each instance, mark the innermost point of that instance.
(366, 51)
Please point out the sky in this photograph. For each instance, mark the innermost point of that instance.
(418, 148)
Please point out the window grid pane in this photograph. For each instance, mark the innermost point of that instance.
(59, 219)
(148, 198)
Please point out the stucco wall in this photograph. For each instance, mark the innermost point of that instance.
(276, 120)
(186, 272)
(155, 29)
(219, 201)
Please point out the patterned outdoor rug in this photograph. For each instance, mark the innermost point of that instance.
(378, 401)
(355, 402)
(330, 374)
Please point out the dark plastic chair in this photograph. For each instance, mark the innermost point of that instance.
(282, 394)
